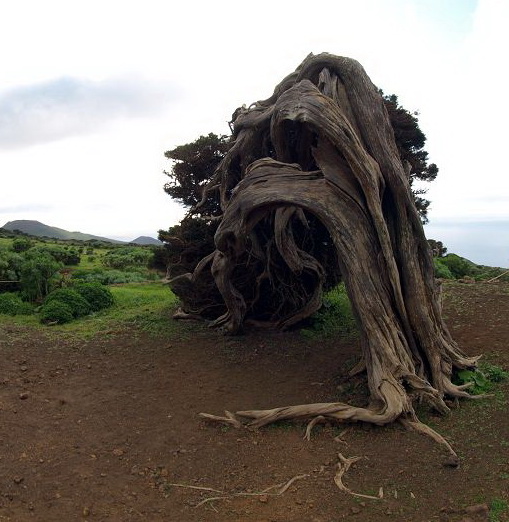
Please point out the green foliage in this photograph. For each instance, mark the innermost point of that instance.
(12, 304)
(335, 317)
(56, 312)
(193, 167)
(78, 305)
(410, 141)
(483, 378)
(186, 244)
(38, 274)
(10, 265)
(65, 255)
(497, 507)
(437, 248)
(124, 257)
(458, 266)
(97, 295)
(21, 244)
(441, 270)
(110, 277)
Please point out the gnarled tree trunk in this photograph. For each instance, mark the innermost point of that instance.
(313, 191)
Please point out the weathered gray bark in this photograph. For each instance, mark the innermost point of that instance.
(319, 154)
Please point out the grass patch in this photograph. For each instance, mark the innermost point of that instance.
(145, 306)
(498, 507)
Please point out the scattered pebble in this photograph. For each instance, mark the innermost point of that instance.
(23, 396)
(451, 462)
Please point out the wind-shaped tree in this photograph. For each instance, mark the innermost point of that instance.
(314, 190)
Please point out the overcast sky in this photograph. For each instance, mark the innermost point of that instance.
(94, 92)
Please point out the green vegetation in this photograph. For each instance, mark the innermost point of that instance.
(56, 312)
(38, 271)
(78, 305)
(12, 304)
(334, 317)
(124, 257)
(97, 295)
(483, 378)
(38, 275)
(453, 266)
(498, 507)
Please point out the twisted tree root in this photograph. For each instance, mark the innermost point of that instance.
(343, 466)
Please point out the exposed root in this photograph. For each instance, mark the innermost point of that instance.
(180, 314)
(430, 432)
(343, 466)
(312, 423)
(280, 489)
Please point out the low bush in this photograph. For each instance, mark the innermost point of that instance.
(78, 305)
(12, 304)
(110, 277)
(334, 317)
(441, 270)
(97, 295)
(56, 312)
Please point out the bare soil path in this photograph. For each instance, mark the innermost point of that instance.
(104, 429)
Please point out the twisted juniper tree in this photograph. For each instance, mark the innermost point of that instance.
(313, 190)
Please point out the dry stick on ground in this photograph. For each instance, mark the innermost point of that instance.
(498, 277)
(281, 488)
(313, 188)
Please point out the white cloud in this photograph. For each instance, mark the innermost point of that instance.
(68, 106)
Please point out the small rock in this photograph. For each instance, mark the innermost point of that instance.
(451, 462)
(86, 511)
(263, 498)
(18, 480)
(23, 396)
(118, 452)
(23, 368)
(355, 510)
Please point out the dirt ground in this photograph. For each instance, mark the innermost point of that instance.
(108, 429)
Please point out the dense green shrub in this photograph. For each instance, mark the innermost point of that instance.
(124, 257)
(442, 270)
(21, 244)
(12, 304)
(110, 277)
(66, 256)
(10, 265)
(38, 275)
(459, 266)
(97, 295)
(78, 305)
(56, 311)
(334, 317)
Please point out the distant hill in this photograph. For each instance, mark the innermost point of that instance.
(38, 229)
(145, 240)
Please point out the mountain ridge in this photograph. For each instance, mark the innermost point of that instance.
(38, 229)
